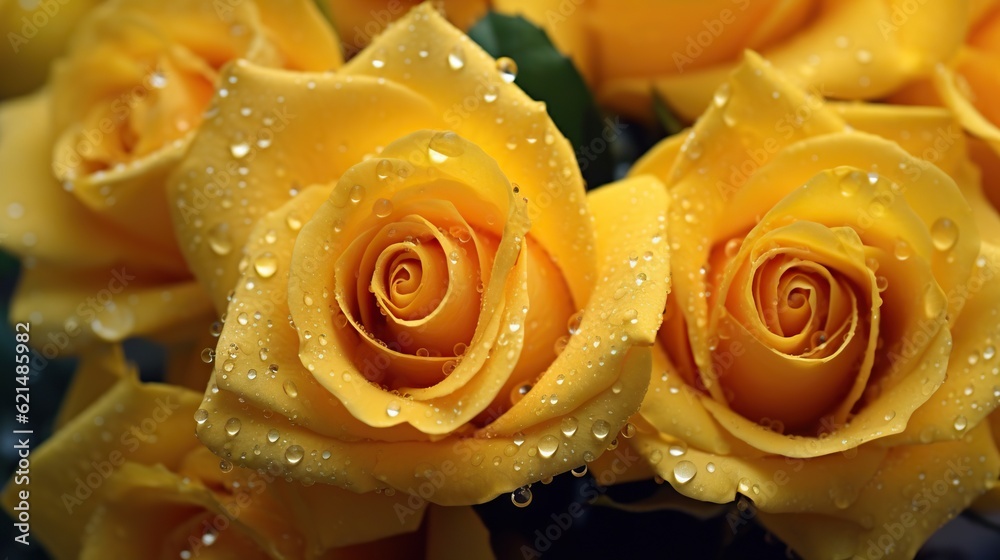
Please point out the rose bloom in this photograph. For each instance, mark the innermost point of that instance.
(829, 347)
(682, 50)
(86, 209)
(124, 477)
(439, 312)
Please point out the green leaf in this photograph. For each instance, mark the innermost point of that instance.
(665, 116)
(547, 75)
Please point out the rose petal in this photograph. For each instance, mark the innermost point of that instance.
(896, 54)
(377, 84)
(143, 421)
(773, 482)
(104, 304)
(623, 314)
(916, 490)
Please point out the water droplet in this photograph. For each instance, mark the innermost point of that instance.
(629, 430)
(382, 208)
(383, 169)
(568, 426)
(902, 250)
(961, 423)
(273, 435)
(721, 96)
(580, 471)
(600, 429)
(293, 222)
(817, 339)
(547, 446)
(158, 80)
(392, 409)
(357, 193)
(890, 415)
(684, 471)
(490, 94)
(243, 319)
(252, 374)
(294, 454)
(225, 466)
(678, 449)
(507, 68)
(521, 497)
(265, 265)
(456, 58)
(233, 426)
(201, 416)
(710, 467)
(881, 283)
(989, 352)
(444, 145)
(514, 326)
(290, 389)
(218, 239)
(944, 234)
(378, 59)
(240, 149)
(207, 355)
(573, 324)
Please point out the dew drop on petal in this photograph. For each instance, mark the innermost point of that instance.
(600, 429)
(392, 409)
(684, 471)
(521, 497)
(294, 454)
(944, 234)
(273, 435)
(201, 416)
(233, 426)
(507, 68)
(456, 58)
(265, 265)
(547, 446)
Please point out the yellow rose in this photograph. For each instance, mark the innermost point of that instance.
(358, 22)
(966, 84)
(399, 320)
(117, 114)
(682, 50)
(125, 477)
(829, 346)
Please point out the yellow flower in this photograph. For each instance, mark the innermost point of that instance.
(682, 50)
(87, 158)
(829, 346)
(967, 82)
(359, 21)
(399, 319)
(125, 478)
